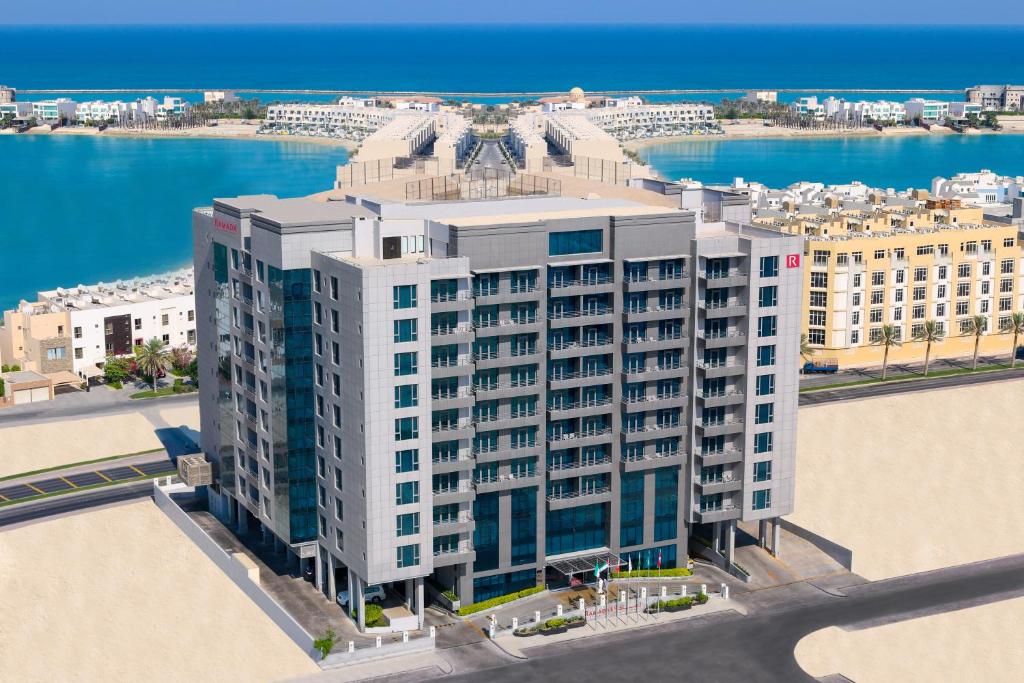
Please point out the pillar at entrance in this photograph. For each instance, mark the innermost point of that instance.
(419, 601)
(776, 535)
(716, 541)
(730, 541)
(332, 587)
(762, 533)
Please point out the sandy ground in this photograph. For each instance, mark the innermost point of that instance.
(883, 476)
(743, 129)
(120, 594)
(183, 416)
(972, 645)
(37, 446)
(229, 130)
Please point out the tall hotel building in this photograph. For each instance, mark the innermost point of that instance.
(497, 393)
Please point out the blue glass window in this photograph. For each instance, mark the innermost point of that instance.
(766, 355)
(407, 493)
(405, 364)
(762, 499)
(666, 503)
(406, 396)
(407, 461)
(763, 470)
(524, 525)
(407, 428)
(768, 296)
(407, 524)
(574, 242)
(631, 509)
(487, 587)
(764, 413)
(766, 326)
(763, 442)
(408, 555)
(769, 266)
(764, 385)
(485, 535)
(404, 296)
(578, 528)
(405, 330)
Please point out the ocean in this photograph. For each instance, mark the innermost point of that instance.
(79, 210)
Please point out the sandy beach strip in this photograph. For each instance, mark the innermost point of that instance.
(224, 131)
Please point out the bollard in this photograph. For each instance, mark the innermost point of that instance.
(602, 601)
(582, 609)
(558, 610)
(405, 636)
(703, 589)
(433, 632)
(515, 623)
(351, 646)
(536, 617)
(664, 591)
(490, 631)
(643, 593)
(378, 641)
(725, 591)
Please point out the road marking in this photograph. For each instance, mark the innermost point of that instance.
(3, 497)
(37, 490)
(103, 475)
(133, 467)
(69, 483)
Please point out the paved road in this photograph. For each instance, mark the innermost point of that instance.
(924, 384)
(875, 371)
(100, 401)
(157, 463)
(758, 647)
(490, 156)
(59, 505)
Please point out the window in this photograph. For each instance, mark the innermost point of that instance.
(819, 280)
(763, 442)
(857, 280)
(940, 310)
(407, 428)
(768, 296)
(878, 278)
(339, 539)
(963, 270)
(575, 242)
(165, 320)
(816, 318)
(816, 337)
(407, 524)
(875, 315)
(962, 307)
(920, 274)
(901, 277)
(917, 312)
(819, 299)
(79, 353)
(764, 413)
(405, 364)
(765, 385)
(78, 332)
(1005, 303)
(405, 330)
(763, 470)
(940, 292)
(856, 299)
(942, 272)
(406, 396)
(919, 293)
(879, 253)
(407, 493)
(766, 355)
(762, 499)
(59, 353)
(898, 296)
(1007, 241)
(926, 249)
(404, 296)
(408, 556)
(1006, 266)
(766, 326)
(769, 266)
(138, 323)
(963, 289)
(1006, 285)
(407, 461)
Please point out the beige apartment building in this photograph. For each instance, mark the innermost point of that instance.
(34, 337)
(902, 266)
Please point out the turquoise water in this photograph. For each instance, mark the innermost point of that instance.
(898, 162)
(87, 209)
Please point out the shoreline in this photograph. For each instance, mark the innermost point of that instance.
(221, 131)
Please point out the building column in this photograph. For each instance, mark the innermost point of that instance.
(730, 541)
(762, 533)
(410, 598)
(332, 584)
(776, 535)
(716, 539)
(360, 600)
(265, 532)
(465, 585)
(351, 592)
(243, 518)
(318, 569)
(419, 601)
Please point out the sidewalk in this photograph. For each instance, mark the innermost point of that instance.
(517, 647)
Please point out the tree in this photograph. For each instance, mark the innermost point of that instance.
(181, 357)
(805, 347)
(931, 333)
(976, 326)
(152, 357)
(1015, 326)
(193, 372)
(889, 337)
(327, 643)
(116, 370)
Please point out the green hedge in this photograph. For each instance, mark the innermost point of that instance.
(652, 573)
(500, 600)
(375, 616)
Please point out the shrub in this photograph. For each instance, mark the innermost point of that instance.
(466, 610)
(375, 616)
(525, 631)
(652, 573)
(451, 595)
(1, 387)
(557, 622)
(574, 619)
(700, 598)
(326, 644)
(115, 385)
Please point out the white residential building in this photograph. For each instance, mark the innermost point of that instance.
(100, 110)
(961, 110)
(927, 111)
(983, 188)
(53, 111)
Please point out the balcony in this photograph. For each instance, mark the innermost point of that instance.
(651, 373)
(461, 461)
(734, 277)
(717, 340)
(567, 499)
(596, 315)
(646, 283)
(631, 434)
(588, 285)
(570, 380)
(516, 325)
(506, 482)
(589, 437)
(653, 460)
(504, 359)
(639, 314)
(456, 554)
(723, 484)
(719, 513)
(451, 430)
(460, 493)
(453, 334)
(456, 524)
(653, 343)
(505, 388)
(442, 302)
(571, 349)
(459, 398)
(580, 468)
(727, 368)
(511, 420)
(674, 399)
(723, 308)
(728, 425)
(450, 367)
(726, 397)
(507, 294)
(724, 456)
(568, 410)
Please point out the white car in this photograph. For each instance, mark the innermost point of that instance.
(372, 594)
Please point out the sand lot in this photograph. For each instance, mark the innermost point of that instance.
(183, 416)
(120, 594)
(972, 645)
(36, 446)
(885, 477)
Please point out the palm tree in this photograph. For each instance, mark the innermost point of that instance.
(805, 347)
(1015, 326)
(152, 357)
(890, 336)
(976, 325)
(931, 333)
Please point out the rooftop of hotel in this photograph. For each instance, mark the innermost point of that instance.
(110, 294)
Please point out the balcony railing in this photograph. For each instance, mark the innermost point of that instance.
(721, 393)
(460, 548)
(581, 374)
(630, 400)
(568, 495)
(720, 334)
(652, 368)
(461, 392)
(585, 434)
(721, 421)
(636, 429)
(559, 345)
(582, 282)
(442, 297)
(575, 405)
(723, 274)
(586, 312)
(713, 304)
(508, 384)
(462, 517)
(445, 330)
(663, 453)
(718, 507)
(673, 336)
(448, 362)
(577, 464)
(656, 277)
(463, 486)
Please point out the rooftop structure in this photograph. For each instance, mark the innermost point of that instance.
(491, 392)
(997, 97)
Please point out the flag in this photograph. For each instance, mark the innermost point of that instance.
(598, 568)
(659, 559)
(630, 565)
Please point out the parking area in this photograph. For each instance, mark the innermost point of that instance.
(65, 483)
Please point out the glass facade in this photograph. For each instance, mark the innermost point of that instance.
(291, 373)
(648, 558)
(485, 536)
(524, 525)
(666, 503)
(222, 313)
(487, 587)
(578, 528)
(631, 510)
(574, 242)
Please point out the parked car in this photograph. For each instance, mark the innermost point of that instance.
(373, 594)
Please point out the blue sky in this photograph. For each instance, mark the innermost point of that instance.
(788, 12)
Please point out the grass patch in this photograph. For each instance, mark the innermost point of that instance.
(498, 601)
(176, 388)
(101, 485)
(77, 464)
(906, 377)
(652, 573)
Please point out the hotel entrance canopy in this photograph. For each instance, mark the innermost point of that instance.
(583, 562)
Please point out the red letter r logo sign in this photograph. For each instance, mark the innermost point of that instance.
(793, 261)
